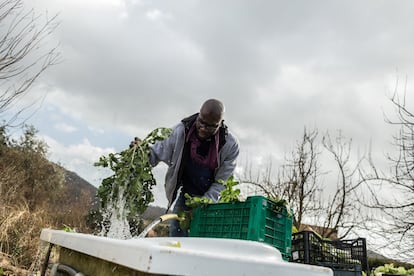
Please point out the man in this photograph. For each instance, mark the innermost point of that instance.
(199, 152)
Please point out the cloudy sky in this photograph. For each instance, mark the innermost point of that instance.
(129, 66)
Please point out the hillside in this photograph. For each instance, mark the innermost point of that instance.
(375, 255)
(77, 185)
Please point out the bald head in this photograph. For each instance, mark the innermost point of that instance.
(213, 108)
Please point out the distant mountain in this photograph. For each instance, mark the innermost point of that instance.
(153, 212)
(375, 255)
(377, 259)
(77, 185)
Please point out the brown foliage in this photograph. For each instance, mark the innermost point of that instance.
(28, 176)
(34, 195)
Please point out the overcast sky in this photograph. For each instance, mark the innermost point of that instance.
(129, 66)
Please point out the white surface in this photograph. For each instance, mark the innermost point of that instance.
(185, 256)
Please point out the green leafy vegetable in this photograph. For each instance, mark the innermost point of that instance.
(185, 219)
(390, 269)
(67, 228)
(132, 180)
(280, 205)
(229, 194)
(195, 201)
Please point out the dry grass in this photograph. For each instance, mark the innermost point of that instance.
(20, 231)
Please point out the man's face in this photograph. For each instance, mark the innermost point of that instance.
(207, 125)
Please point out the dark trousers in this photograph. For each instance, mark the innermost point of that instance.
(175, 230)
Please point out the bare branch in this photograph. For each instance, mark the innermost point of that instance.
(24, 55)
(397, 206)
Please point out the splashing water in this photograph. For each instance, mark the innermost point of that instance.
(116, 216)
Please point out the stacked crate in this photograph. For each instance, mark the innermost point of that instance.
(345, 257)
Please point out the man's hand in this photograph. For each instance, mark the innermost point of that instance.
(135, 142)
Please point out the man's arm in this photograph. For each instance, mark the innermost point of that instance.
(162, 151)
(225, 170)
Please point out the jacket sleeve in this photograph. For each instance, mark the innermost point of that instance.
(162, 151)
(225, 170)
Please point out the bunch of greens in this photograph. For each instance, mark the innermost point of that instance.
(228, 195)
(390, 270)
(281, 204)
(132, 178)
(195, 201)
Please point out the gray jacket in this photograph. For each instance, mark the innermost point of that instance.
(170, 151)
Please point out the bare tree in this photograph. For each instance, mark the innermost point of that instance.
(296, 181)
(24, 56)
(300, 175)
(392, 192)
(300, 182)
(341, 209)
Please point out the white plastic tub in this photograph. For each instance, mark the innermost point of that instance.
(184, 256)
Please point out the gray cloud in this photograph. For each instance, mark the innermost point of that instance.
(278, 65)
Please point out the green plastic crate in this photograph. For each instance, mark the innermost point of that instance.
(256, 219)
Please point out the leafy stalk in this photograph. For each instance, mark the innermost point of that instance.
(229, 194)
(132, 175)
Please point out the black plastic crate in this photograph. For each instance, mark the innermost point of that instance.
(309, 248)
(344, 269)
